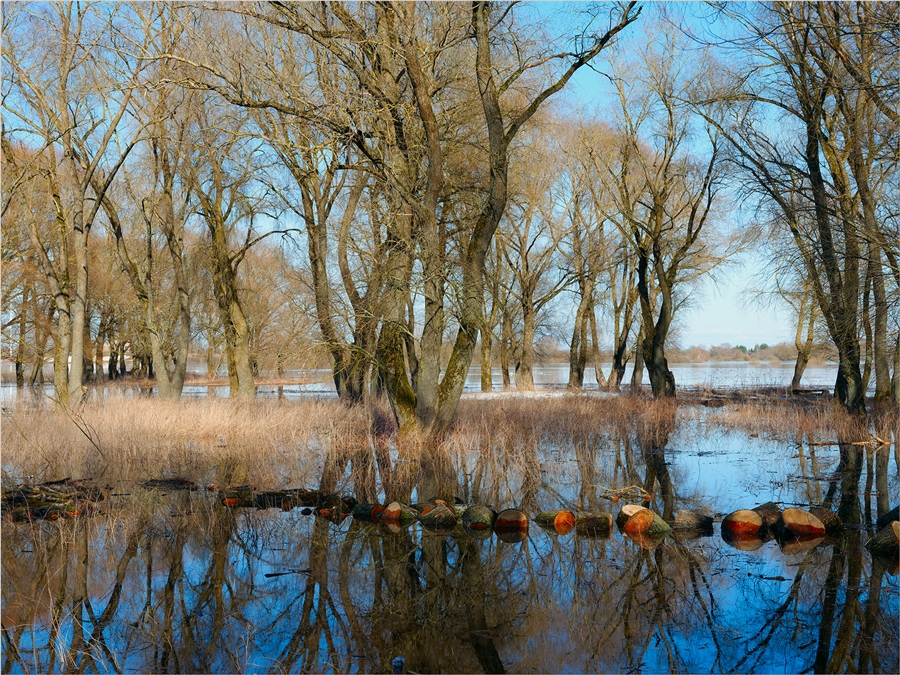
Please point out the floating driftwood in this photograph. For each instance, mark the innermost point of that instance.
(770, 513)
(367, 512)
(560, 521)
(886, 542)
(324, 504)
(455, 504)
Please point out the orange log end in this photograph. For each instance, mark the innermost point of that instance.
(743, 521)
(639, 522)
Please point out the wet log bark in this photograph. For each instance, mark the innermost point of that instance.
(833, 524)
(691, 520)
(438, 517)
(395, 512)
(597, 524)
(511, 520)
(887, 541)
(478, 518)
(885, 520)
(770, 513)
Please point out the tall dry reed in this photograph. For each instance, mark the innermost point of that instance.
(209, 440)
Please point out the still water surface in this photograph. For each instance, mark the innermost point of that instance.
(175, 582)
(709, 375)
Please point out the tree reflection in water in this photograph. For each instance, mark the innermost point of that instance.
(177, 583)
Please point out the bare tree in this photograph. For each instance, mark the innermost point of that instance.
(676, 193)
(70, 84)
(820, 170)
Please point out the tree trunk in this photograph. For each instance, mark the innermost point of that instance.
(20, 343)
(487, 375)
(579, 344)
(804, 349)
(637, 375)
(505, 348)
(525, 369)
(595, 353)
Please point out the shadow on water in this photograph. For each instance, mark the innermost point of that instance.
(175, 582)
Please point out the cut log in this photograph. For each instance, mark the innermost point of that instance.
(367, 512)
(888, 518)
(743, 541)
(801, 544)
(639, 522)
(439, 517)
(478, 517)
(770, 513)
(645, 521)
(511, 520)
(398, 513)
(886, 542)
(801, 523)
(743, 521)
(594, 525)
(627, 511)
(691, 520)
(831, 521)
(559, 521)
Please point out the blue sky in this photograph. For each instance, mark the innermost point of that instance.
(722, 310)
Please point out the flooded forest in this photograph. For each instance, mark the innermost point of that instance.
(351, 337)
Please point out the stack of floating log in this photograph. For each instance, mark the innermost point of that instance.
(324, 504)
(56, 499)
(795, 530)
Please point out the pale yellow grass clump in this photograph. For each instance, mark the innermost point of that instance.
(205, 440)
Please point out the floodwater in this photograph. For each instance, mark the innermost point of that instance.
(176, 582)
(708, 375)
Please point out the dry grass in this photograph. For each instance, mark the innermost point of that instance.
(206, 440)
(272, 444)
